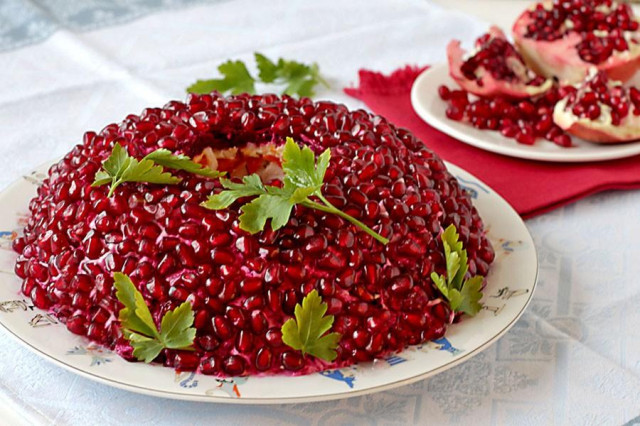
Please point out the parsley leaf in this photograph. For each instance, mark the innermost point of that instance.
(306, 332)
(135, 316)
(144, 348)
(463, 295)
(166, 158)
(120, 167)
(299, 78)
(296, 78)
(300, 166)
(237, 79)
(268, 71)
(176, 328)
(303, 178)
(251, 185)
(255, 214)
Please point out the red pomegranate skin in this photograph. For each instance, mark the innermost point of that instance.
(243, 287)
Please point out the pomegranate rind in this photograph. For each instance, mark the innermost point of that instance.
(560, 58)
(491, 86)
(597, 131)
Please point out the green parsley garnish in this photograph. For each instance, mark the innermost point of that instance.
(236, 79)
(299, 78)
(306, 332)
(166, 158)
(176, 328)
(463, 295)
(120, 167)
(296, 77)
(303, 178)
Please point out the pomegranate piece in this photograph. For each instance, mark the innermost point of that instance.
(244, 287)
(563, 39)
(601, 110)
(496, 68)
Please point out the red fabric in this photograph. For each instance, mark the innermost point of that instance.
(531, 187)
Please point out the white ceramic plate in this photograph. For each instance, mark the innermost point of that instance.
(429, 106)
(510, 287)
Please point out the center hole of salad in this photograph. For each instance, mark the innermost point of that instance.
(265, 160)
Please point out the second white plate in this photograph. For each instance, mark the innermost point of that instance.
(429, 106)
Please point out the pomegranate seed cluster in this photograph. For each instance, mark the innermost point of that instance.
(600, 93)
(243, 287)
(492, 56)
(523, 120)
(603, 26)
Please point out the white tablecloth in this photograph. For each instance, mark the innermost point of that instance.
(573, 358)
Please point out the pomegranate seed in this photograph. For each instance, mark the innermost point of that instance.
(234, 365)
(562, 140)
(454, 113)
(274, 337)
(210, 366)
(263, 359)
(292, 360)
(186, 361)
(443, 92)
(77, 325)
(244, 341)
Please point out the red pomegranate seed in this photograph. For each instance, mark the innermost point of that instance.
(234, 365)
(263, 359)
(443, 92)
(292, 360)
(186, 361)
(210, 366)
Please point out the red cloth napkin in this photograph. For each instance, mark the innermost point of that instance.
(531, 187)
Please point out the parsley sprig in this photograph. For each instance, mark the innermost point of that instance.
(176, 328)
(463, 295)
(296, 77)
(306, 332)
(303, 178)
(120, 167)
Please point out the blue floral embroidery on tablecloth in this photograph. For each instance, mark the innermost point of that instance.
(25, 22)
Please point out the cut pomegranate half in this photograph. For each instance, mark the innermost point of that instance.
(495, 68)
(601, 111)
(564, 39)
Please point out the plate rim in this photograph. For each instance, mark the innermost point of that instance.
(452, 168)
(525, 152)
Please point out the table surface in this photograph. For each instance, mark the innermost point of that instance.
(573, 358)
